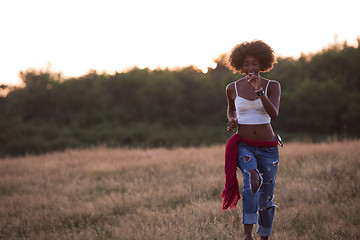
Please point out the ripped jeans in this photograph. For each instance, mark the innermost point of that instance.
(258, 207)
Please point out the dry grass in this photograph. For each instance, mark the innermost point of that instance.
(174, 194)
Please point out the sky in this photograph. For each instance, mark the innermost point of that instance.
(76, 36)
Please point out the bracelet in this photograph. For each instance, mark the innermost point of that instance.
(259, 92)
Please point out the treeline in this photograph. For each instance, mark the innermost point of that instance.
(184, 107)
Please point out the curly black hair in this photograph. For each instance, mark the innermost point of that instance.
(258, 49)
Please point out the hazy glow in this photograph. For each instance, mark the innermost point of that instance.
(112, 35)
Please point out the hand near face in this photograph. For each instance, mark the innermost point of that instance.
(251, 66)
(254, 80)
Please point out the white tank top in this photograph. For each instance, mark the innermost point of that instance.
(251, 112)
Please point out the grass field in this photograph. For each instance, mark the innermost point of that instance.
(106, 193)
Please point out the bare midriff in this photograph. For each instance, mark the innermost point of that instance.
(261, 132)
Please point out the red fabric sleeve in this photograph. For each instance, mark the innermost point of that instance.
(231, 193)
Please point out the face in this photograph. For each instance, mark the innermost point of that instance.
(251, 65)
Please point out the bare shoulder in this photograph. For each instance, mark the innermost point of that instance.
(230, 88)
(273, 84)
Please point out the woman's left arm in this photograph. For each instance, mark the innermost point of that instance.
(272, 102)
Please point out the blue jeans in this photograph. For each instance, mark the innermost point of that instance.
(258, 207)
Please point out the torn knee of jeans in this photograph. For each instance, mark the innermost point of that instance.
(246, 158)
(276, 163)
(255, 180)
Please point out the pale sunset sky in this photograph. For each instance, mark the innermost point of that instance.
(75, 36)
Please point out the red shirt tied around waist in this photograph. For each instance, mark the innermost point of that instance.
(231, 194)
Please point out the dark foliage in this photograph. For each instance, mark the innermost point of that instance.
(144, 108)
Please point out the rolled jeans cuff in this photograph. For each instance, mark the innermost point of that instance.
(264, 231)
(249, 218)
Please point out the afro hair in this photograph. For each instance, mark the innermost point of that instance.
(258, 49)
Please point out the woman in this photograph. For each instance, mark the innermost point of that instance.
(252, 102)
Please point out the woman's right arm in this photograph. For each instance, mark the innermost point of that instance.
(231, 110)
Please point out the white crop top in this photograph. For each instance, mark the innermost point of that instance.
(251, 111)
